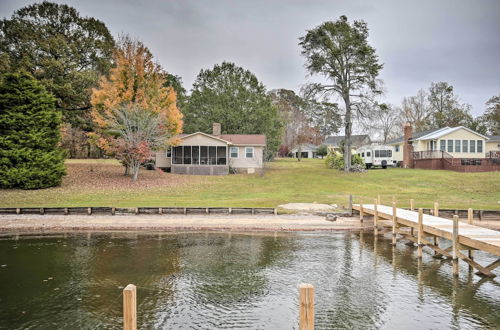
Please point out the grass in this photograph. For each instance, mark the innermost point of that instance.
(101, 183)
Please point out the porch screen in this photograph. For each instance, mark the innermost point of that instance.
(199, 155)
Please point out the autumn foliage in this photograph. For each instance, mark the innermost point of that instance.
(135, 81)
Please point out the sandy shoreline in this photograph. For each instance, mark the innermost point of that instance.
(34, 223)
(59, 223)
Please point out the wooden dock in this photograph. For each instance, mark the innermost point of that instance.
(430, 230)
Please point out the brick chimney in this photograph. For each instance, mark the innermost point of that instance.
(216, 129)
(407, 146)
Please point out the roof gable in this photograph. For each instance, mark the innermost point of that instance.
(232, 139)
(448, 130)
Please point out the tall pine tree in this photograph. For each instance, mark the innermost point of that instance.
(30, 157)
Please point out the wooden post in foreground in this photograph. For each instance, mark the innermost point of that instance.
(361, 210)
(455, 247)
(375, 217)
(130, 307)
(394, 222)
(350, 205)
(420, 232)
(470, 217)
(412, 205)
(436, 209)
(306, 314)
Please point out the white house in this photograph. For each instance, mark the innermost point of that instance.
(307, 150)
(214, 154)
(457, 142)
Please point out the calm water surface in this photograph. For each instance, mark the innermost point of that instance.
(235, 281)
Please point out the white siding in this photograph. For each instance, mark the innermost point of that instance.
(242, 162)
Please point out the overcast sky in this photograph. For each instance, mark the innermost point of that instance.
(419, 42)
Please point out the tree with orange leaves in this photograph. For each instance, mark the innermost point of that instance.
(135, 81)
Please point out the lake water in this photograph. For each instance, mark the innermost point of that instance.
(236, 281)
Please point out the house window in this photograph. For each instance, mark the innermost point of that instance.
(169, 152)
(443, 145)
(177, 159)
(397, 148)
(249, 152)
(479, 146)
(196, 155)
(212, 155)
(472, 146)
(221, 155)
(203, 155)
(234, 152)
(187, 155)
(465, 146)
(457, 146)
(450, 145)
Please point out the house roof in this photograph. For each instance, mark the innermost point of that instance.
(306, 147)
(445, 131)
(415, 135)
(494, 138)
(356, 140)
(234, 139)
(244, 139)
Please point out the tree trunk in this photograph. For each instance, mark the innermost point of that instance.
(136, 173)
(127, 170)
(299, 154)
(348, 133)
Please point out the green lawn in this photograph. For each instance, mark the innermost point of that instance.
(284, 181)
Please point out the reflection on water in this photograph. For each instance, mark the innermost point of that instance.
(227, 281)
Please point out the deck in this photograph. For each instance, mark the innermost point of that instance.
(463, 235)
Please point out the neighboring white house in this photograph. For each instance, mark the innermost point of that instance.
(307, 150)
(213, 154)
(334, 142)
(458, 142)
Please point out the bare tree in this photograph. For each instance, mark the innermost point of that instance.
(137, 134)
(416, 111)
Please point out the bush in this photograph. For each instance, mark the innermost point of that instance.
(30, 157)
(336, 160)
(322, 150)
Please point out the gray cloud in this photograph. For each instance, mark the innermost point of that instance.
(418, 41)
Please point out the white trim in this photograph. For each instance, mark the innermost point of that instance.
(231, 152)
(447, 130)
(253, 152)
(205, 134)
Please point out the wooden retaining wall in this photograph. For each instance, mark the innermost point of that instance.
(138, 210)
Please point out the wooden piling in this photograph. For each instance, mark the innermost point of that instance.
(185, 211)
(412, 205)
(160, 210)
(206, 210)
(130, 307)
(275, 211)
(350, 205)
(230, 210)
(306, 314)
(136, 210)
(42, 210)
(18, 211)
(375, 217)
(420, 232)
(113, 210)
(470, 217)
(394, 223)
(455, 245)
(66, 212)
(89, 211)
(361, 211)
(436, 209)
